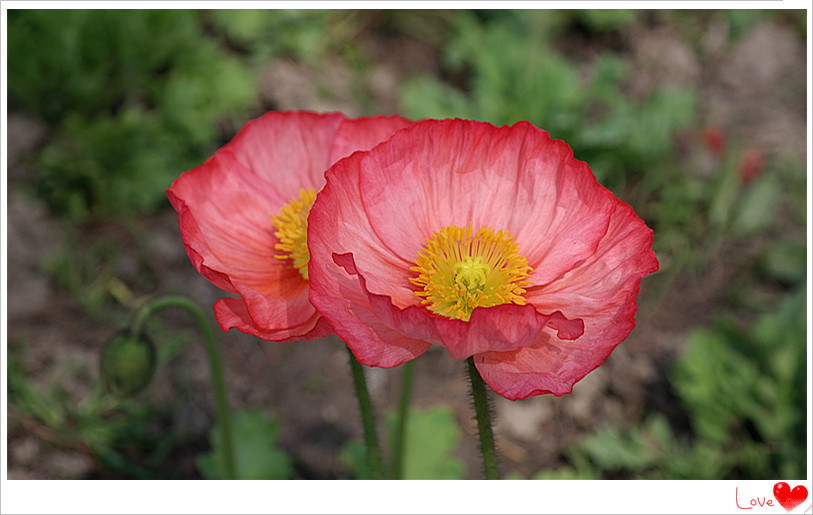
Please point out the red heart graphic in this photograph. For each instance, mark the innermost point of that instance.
(788, 498)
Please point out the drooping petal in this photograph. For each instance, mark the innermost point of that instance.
(357, 321)
(232, 313)
(602, 292)
(538, 370)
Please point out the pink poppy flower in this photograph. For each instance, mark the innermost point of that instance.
(243, 216)
(494, 243)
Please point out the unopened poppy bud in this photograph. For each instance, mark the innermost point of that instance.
(127, 363)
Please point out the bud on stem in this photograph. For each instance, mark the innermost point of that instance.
(127, 363)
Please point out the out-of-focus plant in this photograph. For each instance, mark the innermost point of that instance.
(743, 390)
(256, 453)
(127, 437)
(133, 96)
(432, 436)
(310, 35)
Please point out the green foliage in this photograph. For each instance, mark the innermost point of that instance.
(307, 34)
(87, 61)
(758, 206)
(256, 453)
(750, 384)
(93, 271)
(744, 391)
(580, 468)
(432, 436)
(603, 20)
(565, 474)
(652, 451)
(785, 262)
(134, 96)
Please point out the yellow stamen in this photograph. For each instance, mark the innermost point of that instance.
(292, 230)
(458, 272)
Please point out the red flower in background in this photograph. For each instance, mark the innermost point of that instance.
(491, 242)
(243, 216)
(751, 164)
(714, 139)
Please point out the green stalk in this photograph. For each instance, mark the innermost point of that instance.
(400, 429)
(215, 368)
(479, 393)
(367, 418)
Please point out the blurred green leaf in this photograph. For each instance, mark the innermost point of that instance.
(257, 455)
(758, 207)
(425, 97)
(354, 456)
(305, 34)
(613, 450)
(432, 436)
(602, 20)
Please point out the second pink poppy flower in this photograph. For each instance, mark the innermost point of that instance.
(243, 216)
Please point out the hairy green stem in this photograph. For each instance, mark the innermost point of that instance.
(400, 429)
(215, 367)
(479, 392)
(367, 418)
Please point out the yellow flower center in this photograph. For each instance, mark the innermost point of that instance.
(292, 230)
(458, 272)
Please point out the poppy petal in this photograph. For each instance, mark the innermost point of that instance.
(601, 291)
(232, 313)
(225, 208)
(443, 172)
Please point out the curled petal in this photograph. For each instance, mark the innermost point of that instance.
(549, 367)
(232, 313)
(355, 317)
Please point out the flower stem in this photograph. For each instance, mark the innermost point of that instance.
(367, 418)
(479, 393)
(400, 429)
(215, 368)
